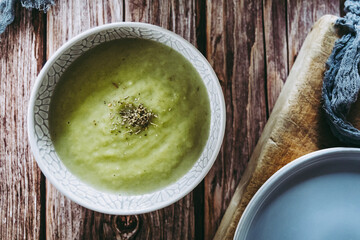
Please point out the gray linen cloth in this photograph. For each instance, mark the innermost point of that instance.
(7, 13)
(342, 80)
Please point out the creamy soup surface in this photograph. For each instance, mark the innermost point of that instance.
(130, 116)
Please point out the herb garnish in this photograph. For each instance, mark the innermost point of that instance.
(135, 117)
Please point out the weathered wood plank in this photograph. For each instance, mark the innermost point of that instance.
(177, 16)
(65, 219)
(177, 221)
(21, 58)
(296, 126)
(235, 48)
(342, 12)
(275, 48)
(281, 46)
(301, 16)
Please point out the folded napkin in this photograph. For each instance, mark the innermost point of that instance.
(7, 13)
(342, 80)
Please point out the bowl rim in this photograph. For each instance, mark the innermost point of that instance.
(297, 165)
(72, 196)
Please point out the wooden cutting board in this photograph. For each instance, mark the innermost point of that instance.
(296, 125)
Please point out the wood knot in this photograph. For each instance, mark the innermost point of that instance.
(127, 226)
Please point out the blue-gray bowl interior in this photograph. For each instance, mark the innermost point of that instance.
(315, 197)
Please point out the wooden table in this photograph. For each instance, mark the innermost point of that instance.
(251, 45)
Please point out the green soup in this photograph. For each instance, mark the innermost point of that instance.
(94, 130)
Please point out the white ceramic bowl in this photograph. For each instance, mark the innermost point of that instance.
(314, 197)
(70, 185)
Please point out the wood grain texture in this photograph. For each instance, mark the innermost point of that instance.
(65, 219)
(178, 220)
(281, 51)
(177, 16)
(251, 45)
(274, 20)
(296, 126)
(301, 16)
(21, 58)
(235, 49)
(342, 12)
